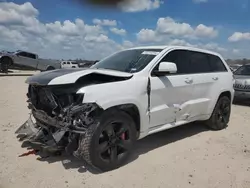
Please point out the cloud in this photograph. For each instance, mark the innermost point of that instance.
(11, 13)
(21, 29)
(200, 1)
(208, 46)
(147, 35)
(11, 35)
(214, 47)
(169, 26)
(205, 31)
(236, 51)
(139, 5)
(150, 37)
(104, 22)
(128, 44)
(179, 42)
(117, 31)
(238, 36)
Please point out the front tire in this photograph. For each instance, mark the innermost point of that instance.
(221, 114)
(5, 64)
(108, 142)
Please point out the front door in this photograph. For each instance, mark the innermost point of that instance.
(172, 95)
(25, 59)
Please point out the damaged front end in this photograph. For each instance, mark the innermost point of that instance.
(58, 118)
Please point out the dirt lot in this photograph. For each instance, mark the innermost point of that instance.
(188, 156)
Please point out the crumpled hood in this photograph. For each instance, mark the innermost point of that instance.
(69, 76)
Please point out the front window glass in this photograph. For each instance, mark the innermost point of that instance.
(244, 70)
(133, 60)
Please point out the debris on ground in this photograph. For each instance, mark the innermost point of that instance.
(32, 152)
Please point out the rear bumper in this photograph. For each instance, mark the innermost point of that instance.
(241, 94)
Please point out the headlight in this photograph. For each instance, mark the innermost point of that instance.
(233, 81)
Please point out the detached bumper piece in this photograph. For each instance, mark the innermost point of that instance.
(34, 136)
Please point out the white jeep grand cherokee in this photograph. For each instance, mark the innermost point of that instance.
(97, 114)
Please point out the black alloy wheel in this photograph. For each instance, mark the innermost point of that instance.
(114, 142)
(5, 63)
(108, 142)
(221, 114)
(50, 68)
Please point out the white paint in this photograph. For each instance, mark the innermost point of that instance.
(69, 64)
(150, 53)
(168, 67)
(175, 99)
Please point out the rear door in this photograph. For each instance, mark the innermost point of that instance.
(199, 69)
(172, 95)
(19, 58)
(26, 59)
(220, 76)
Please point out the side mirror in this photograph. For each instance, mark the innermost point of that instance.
(165, 68)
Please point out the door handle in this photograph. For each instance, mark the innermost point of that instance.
(188, 80)
(215, 78)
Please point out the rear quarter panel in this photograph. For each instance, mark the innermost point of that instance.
(43, 64)
(224, 84)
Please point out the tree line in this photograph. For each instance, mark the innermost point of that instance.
(238, 61)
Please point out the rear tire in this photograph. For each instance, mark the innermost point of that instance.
(50, 68)
(221, 114)
(108, 142)
(5, 64)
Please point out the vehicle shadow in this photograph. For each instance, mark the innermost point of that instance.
(141, 147)
(163, 138)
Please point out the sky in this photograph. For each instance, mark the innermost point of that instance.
(65, 29)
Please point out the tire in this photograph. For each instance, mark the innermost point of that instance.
(96, 138)
(221, 114)
(5, 63)
(50, 68)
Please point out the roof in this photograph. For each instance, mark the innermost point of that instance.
(182, 47)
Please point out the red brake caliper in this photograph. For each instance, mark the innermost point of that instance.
(123, 136)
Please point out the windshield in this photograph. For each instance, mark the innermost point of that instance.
(235, 66)
(244, 70)
(131, 61)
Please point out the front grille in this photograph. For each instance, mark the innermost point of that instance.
(42, 98)
(52, 99)
(242, 87)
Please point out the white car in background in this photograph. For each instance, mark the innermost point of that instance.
(69, 64)
(97, 114)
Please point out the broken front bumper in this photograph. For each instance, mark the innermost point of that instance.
(58, 133)
(32, 135)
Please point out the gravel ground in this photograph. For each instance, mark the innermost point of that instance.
(187, 156)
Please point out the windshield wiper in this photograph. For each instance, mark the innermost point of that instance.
(132, 65)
